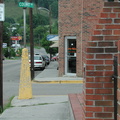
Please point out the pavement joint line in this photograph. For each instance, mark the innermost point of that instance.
(59, 82)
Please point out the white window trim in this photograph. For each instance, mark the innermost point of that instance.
(66, 46)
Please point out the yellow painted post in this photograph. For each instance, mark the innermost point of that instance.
(25, 86)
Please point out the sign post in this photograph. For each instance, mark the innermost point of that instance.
(31, 41)
(24, 16)
(25, 5)
(1, 55)
(30, 5)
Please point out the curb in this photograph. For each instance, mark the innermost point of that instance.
(59, 82)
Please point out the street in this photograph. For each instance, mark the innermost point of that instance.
(11, 76)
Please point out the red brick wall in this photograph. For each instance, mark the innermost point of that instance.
(69, 25)
(91, 14)
(77, 18)
(100, 52)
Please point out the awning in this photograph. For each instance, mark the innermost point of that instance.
(54, 39)
(55, 44)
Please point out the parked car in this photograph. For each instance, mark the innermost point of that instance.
(54, 58)
(39, 62)
(47, 59)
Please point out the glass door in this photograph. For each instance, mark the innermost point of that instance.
(70, 59)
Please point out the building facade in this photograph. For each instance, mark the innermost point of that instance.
(89, 34)
(77, 19)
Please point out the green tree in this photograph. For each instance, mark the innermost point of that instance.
(54, 9)
(22, 0)
(39, 20)
(55, 28)
(39, 33)
(46, 44)
(6, 33)
(16, 1)
(9, 20)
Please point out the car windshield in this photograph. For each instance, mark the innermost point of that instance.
(37, 58)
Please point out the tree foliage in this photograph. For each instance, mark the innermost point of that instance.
(39, 34)
(6, 34)
(54, 9)
(38, 20)
(9, 20)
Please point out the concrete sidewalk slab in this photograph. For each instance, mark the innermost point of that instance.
(42, 99)
(50, 75)
(38, 108)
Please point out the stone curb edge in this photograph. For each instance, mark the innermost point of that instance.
(59, 82)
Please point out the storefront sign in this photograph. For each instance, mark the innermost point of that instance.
(16, 38)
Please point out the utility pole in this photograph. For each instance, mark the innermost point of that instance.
(1, 62)
(24, 15)
(31, 42)
(50, 30)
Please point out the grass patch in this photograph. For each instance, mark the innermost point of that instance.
(37, 47)
(8, 105)
(13, 58)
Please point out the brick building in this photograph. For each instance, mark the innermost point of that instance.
(89, 32)
(77, 20)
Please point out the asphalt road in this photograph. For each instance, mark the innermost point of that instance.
(11, 78)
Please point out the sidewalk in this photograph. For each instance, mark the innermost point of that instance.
(50, 75)
(49, 107)
(38, 108)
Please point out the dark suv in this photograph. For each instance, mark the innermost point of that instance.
(47, 59)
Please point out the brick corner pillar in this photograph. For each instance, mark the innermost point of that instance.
(99, 87)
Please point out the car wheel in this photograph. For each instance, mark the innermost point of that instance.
(43, 68)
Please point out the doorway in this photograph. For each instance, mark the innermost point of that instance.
(70, 55)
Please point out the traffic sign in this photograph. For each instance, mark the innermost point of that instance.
(26, 4)
(2, 16)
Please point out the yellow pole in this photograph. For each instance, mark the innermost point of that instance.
(25, 86)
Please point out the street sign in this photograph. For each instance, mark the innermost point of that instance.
(26, 4)
(2, 9)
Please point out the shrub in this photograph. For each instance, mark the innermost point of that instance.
(19, 52)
